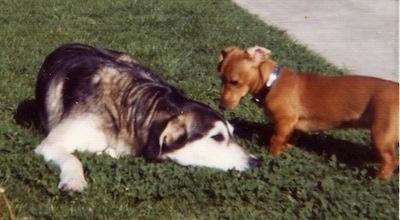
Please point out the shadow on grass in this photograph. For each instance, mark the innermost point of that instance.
(27, 115)
(347, 152)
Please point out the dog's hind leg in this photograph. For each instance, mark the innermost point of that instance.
(78, 134)
(384, 137)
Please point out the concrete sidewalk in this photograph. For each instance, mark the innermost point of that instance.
(360, 35)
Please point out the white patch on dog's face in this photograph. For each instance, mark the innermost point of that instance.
(216, 149)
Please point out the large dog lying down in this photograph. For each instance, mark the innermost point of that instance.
(98, 100)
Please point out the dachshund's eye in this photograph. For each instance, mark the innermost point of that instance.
(234, 82)
(218, 137)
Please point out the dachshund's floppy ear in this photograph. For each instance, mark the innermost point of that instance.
(258, 54)
(222, 55)
(225, 52)
(166, 138)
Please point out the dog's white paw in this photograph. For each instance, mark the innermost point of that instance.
(111, 152)
(72, 182)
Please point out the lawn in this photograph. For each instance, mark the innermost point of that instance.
(328, 176)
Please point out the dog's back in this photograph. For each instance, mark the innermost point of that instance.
(75, 69)
(340, 101)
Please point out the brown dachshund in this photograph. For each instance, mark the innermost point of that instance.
(309, 102)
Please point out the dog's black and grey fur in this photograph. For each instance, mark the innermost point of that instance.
(99, 100)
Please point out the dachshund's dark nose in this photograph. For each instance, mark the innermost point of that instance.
(222, 106)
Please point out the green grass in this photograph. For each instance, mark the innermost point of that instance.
(327, 177)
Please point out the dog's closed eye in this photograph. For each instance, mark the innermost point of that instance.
(233, 82)
(218, 137)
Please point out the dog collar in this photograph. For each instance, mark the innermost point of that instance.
(272, 77)
(270, 82)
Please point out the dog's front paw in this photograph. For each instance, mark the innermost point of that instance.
(72, 183)
(275, 150)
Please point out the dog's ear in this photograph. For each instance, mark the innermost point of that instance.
(258, 54)
(225, 52)
(222, 55)
(174, 133)
(166, 138)
(231, 129)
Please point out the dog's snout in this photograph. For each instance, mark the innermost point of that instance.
(254, 162)
(222, 106)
